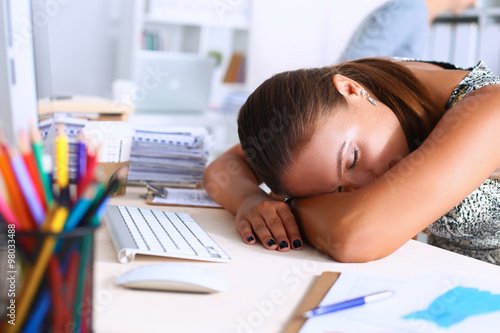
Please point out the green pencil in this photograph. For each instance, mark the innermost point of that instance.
(38, 152)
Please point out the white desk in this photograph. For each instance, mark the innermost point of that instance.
(266, 286)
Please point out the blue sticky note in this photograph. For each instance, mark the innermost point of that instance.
(456, 305)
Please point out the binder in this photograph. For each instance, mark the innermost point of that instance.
(318, 291)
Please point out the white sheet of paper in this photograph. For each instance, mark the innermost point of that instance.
(186, 197)
(411, 294)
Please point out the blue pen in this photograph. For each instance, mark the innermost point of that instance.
(347, 304)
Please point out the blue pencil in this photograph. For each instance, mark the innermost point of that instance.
(78, 212)
(39, 313)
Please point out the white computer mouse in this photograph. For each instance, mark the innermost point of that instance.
(173, 277)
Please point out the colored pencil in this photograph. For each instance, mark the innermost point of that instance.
(85, 253)
(30, 162)
(81, 165)
(36, 274)
(36, 142)
(90, 172)
(27, 187)
(8, 214)
(62, 165)
(16, 199)
(81, 207)
(3, 187)
(56, 284)
(37, 316)
(86, 314)
(71, 282)
(89, 218)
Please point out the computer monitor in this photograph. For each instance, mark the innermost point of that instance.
(18, 97)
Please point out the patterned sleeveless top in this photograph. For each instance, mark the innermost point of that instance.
(472, 227)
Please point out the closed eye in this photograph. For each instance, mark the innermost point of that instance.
(355, 160)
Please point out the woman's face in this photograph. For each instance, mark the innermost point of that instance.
(350, 149)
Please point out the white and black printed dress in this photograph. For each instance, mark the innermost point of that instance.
(472, 227)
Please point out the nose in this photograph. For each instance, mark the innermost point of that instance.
(358, 180)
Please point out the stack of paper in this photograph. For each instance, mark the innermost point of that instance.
(171, 156)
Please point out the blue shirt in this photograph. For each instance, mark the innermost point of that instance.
(399, 28)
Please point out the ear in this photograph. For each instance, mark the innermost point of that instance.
(346, 86)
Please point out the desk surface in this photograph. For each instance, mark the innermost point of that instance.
(266, 286)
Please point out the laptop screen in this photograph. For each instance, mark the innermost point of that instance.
(172, 82)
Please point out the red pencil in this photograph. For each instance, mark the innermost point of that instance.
(16, 198)
(58, 306)
(87, 303)
(89, 175)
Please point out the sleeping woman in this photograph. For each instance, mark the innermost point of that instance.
(362, 156)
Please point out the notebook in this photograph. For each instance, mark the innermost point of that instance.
(172, 82)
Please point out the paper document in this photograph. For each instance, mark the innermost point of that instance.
(186, 197)
(434, 302)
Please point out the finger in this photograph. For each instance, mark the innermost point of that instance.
(261, 229)
(245, 229)
(291, 227)
(275, 225)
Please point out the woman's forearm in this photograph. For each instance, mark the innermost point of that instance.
(229, 180)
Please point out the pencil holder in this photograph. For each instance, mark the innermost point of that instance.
(48, 280)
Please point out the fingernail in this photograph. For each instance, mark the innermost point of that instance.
(297, 244)
(249, 238)
(271, 242)
(283, 244)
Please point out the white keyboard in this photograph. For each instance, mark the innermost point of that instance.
(160, 233)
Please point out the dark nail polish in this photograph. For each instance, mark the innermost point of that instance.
(283, 244)
(271, 242)
(297, 244)
(249, 238)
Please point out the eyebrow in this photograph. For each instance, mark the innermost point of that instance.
(339, 159)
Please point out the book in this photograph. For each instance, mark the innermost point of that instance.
(235, 67)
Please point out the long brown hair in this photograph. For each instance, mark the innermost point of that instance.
(280, 116)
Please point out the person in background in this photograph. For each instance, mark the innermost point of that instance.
(399, 28)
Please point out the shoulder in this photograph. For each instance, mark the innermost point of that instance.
(403, 9)
(439, 81)
(469, 132)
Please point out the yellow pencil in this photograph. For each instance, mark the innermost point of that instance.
(62, 148)
(30, 289)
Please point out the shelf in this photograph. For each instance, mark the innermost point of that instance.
(470, 15)
(157, 20)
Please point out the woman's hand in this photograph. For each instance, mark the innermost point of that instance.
(270, 220)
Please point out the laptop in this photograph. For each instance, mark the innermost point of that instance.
(172, 82)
